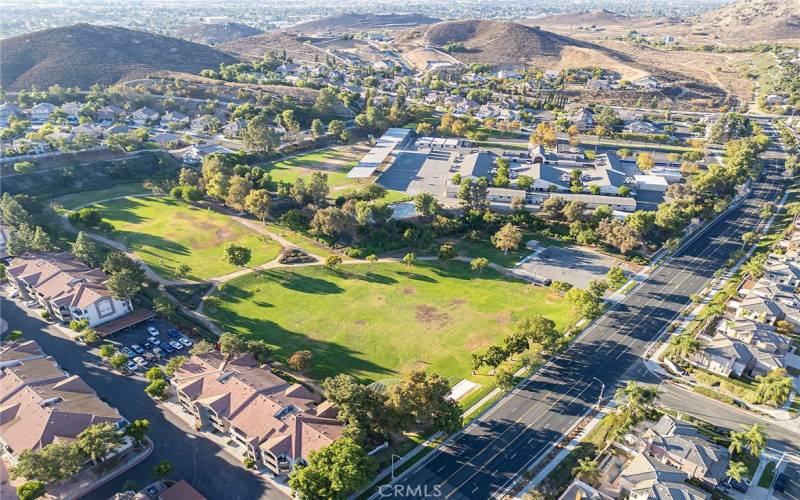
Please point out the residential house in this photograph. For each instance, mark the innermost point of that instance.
(110, 113)
(646, 478)
(598, 84)
(72, 110)
(7, 111)
(582, 119)
(166, 140)
(578, 490)
(234, 128)
(30, 146)
(95, 131)
(41, 404)
(143, 116)
(202, 124)
(66, 288)
(508, 73)
(195, 154)
(5, 231)
(181, 491)
(277, 423)
(645, 82)
(41, 112)
(679, 444)
(784, 274)
(640, 127)
(724, 356)
(174, 119)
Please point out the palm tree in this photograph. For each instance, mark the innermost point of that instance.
(738, 442)
(755, 439)
(736, 470)
(793, 209)
(753, 268)
(635, 400)
(587, 470)
(775, 387)
(683, 345)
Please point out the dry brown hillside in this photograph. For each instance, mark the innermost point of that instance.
(84, 54)
(214, 34)
(752, 20)
(360, 22)
(255, 47)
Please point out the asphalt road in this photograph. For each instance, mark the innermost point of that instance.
(196, 459)
(483, 460)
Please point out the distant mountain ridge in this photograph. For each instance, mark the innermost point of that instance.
(752, 20)
(360, 22)
(84, 54)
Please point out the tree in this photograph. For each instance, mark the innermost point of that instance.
(183, 270)
(545, 134)
(162, 469)
(749, 238)
(317, 128)
(479, 264)
(258, 203)
(85, 250)
(426, 204)
(424, 129)
(137, 429)
(155, 373)
(237, 255)
(31, 490)
(333, 261)
(587, 470)
(331, 222)
(507, 238)
(118, 361)
(124, 284)
(539, 330)
(232, 344)
(174, 364)
(598, 287)
(164, 308)
(118, 261)
(333, 472)
(738, 442)
(775, 387)
(619, 235)
(54, 462)
(98, 440)
(409, 258)
(300, 360)
(41, 241)
(616, 277)
(645, 161)
(260, 137)
(202, 347)
(447, 252)
(585, 303)
(756, 441)
(682, 346)
(238, 189)
(326, 101)
(736, 470)
(423, 398)
(157, 389)
(635, 401)
(13, 213)
(261, 350)
(505, 379)
(472, 193)
(753, 268)
(107, 350)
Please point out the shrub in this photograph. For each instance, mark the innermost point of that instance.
(705, 391)
(24, 167)
(355, 253)
(157, 389)
(249, 463)
(46, 315)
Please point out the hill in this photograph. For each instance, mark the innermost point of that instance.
(752, 20)
(497, 42)
(599, 18)
(216, 33)
(83, 54)
(362, 22)
(254, 47)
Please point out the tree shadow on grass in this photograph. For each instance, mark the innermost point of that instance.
(329, 358)
(301, 282)
(377, 278)
(123, 210)
(417, 276)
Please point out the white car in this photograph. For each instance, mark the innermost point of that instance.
(153, 340)
(13, 293)
(140, 361)
(153, 330)
(177, 345)
(32, 304)
(185, 341)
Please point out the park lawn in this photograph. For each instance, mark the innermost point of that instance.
(300, 240)
(75, 200)
(165, 233)
(381, 321)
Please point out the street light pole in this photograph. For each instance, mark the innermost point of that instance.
(602, 388)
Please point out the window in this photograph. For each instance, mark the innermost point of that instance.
(104, 308)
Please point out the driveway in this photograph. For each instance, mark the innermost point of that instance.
(195, 458)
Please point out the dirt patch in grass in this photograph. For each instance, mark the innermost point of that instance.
(409, 290)
(431, 316)
(458, 302)
(477, 342)
(360, 322)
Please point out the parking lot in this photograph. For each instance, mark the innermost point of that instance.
(142, 345)
(574, 265)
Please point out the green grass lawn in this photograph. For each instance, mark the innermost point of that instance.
(336, 162)
(75, 200)
(379, 322)
(166, 233)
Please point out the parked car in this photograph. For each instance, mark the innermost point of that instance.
(137, 348)
(186, 342)
(127, 351)
(168, 348)
(153, 340)
(173, 333)
(32, 304)
(153, 330)
(147, 346)
(13, 293)
(132, 366)
(738, 485)
(158, 352)
(140, 361)
(177, 345)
